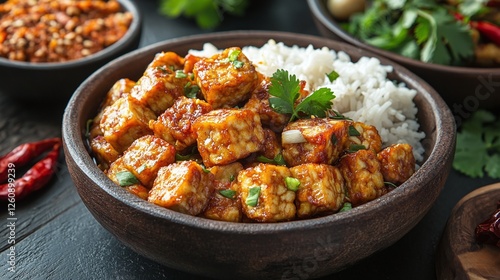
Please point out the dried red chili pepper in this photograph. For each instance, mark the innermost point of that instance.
(488, 232)
(35, 178)
(487, 29)
(24, 153)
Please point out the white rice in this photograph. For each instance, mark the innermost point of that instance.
(363, 92)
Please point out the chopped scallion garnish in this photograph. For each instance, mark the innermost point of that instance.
(353, 131)
(253, 196)
(292, 184)
(126, 178)
(346, 207)
(180, 74)
(332, 76)
(355, 147)
(228, 193)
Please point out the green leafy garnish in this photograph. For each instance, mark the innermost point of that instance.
(126, 178)
(332, 76)
(228, 193)
(285, 90)
(478, 146)
(420, 29)
(277, 160)
(88, 125)
(353, 131)
(207, 13)
(191, 90)
(355, 147)
(180, 74)
(346, 207)
(253, 196)
(233, 58)
(292, 184)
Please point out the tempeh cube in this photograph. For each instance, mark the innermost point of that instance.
(272, 144)
(321, 190)
(175, 124)
(183, 187)
(361, 172)
(324, 140)
(225, 79)
(103, 151)
(146, 156)
(121, 88)
(125, 121)
(397, 163)
(365, 135)
(160, 84)
(227, 135)
(224, 204)
(275, 202)
(135, 188)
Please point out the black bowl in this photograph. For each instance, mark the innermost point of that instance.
(57, 81)
(464, 89)
(287, 250)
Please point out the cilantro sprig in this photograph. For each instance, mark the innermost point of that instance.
(285, 90)
(420, 29)
(477, 151)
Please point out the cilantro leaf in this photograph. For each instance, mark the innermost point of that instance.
(477, 151)
(284, 91)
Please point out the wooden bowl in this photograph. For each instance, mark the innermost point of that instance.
(464, 89)
(57, 81)
(311, 248)
(459, 255)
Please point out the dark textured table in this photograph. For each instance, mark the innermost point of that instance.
(57, 237)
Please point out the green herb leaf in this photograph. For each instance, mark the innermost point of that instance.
(228, 193)
(253, 196)
(355, 147)
(126, 178)
(332, 76)
(477, 151)
(180, 74)
(284, 91)
(292, 184)
(353, 131)
(277, 160)
(346, 207)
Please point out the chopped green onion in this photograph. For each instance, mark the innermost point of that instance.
(126, 178)
(238, 64)
(228, 193)
(355, 147)
(334, 139)
(292, 183)
(332, 76)
(179, 157)
(253, 196)
(204, 168)
(180, 74)
(391, 184)
(353, 131)
(190, 90)
(232, 177)
(233, 56)
(162, 69)
(277, 160)
(347, 206)
(87, 127)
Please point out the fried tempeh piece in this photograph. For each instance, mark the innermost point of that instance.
(175, 124)
(227, 135)
(321, 190)
(275, 201)
(325, 139)
(225, 79)
(361, 172)
(183, 187)
(160, 85)
(125, 121)
(397, 163)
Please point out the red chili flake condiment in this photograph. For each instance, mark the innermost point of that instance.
(57, 31)
(488, 231)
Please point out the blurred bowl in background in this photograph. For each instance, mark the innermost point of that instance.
(464, 89)
(52, 81)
